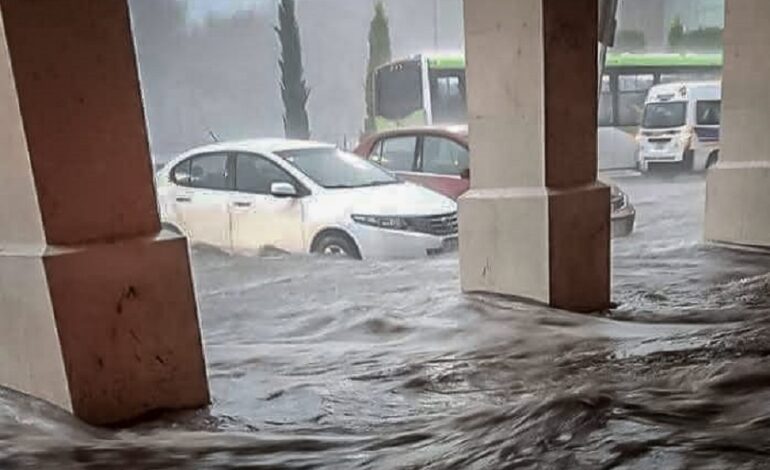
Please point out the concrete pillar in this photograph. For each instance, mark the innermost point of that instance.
(536, 222)
(738, 194)
(97, 307)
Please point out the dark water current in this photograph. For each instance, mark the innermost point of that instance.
(385, 365)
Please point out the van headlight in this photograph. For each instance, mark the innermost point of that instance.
(386, 222)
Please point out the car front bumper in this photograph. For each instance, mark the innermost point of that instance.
(623, 221)
(375, 243)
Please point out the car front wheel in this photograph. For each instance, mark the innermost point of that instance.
(337, 245)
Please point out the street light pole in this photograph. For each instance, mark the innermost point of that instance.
(608, 10)
(436, 21)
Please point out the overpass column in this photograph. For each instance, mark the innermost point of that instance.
(738, 191)
(536, 223)
(97, 308)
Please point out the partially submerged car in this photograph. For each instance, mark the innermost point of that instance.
(438, 158)
(301, 197)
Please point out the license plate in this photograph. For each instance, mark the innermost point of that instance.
(450, 244)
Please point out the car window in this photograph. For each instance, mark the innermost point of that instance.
(709, 112)
(181, 173)
(396, 153)
(255, 174)
(444, 156)
(204, 172)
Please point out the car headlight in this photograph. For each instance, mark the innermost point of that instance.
(386, 222)
(619, 198)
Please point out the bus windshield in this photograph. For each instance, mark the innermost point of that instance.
(664, 115)
(398, 90)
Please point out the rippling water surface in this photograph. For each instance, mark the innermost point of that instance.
(377, 365)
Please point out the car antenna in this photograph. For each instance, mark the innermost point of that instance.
(213, 137)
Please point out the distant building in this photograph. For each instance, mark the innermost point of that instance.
(654, 17)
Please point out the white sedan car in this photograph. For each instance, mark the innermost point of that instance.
(301, 197)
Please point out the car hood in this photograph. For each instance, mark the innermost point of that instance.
(402, 199)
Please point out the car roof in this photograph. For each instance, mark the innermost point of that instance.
(460, 130)
(258, 146)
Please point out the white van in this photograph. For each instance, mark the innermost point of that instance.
(680, 126)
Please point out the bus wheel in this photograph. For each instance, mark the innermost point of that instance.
(713, 159)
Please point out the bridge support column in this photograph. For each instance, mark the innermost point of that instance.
(738, 194)
(536, 223)
(97, 306)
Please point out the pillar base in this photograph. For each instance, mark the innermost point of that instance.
(109, 332)
(549, 246)
(737, 198)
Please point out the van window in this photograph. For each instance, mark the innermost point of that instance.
(709, 113)
(663, 115)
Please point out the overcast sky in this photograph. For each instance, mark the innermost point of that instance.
(199, 9)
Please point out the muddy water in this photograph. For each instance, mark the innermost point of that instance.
(378, 365)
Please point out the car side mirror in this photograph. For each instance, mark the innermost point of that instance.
(281, 189)
(466, 174)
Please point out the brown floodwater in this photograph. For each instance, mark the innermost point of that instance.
(318, 363)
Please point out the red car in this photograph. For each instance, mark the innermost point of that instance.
(438, 158)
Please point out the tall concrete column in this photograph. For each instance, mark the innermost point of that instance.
(536, 221)
(97, 307)
(738, 194)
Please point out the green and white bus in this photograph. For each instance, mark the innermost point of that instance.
(431, 90)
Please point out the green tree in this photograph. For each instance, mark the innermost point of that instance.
(379, 54)
(676, 32)
(630, 40)
(294, 90)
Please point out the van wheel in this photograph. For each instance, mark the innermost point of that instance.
(336, 244)
(712, 160)
(689, 160)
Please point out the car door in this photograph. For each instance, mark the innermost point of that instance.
(443, 166)
(200, 200)
(259, 219)
(397, 154)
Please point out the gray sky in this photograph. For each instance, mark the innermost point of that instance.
(199, 9)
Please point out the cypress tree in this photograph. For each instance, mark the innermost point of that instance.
(294, 90)
(379, 54)
(676, 32)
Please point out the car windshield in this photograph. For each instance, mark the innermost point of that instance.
(334, 169)
(662, 115)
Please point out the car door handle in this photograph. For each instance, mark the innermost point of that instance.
(242, 204)
(183, 199)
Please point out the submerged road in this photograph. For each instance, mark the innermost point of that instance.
(318, 363)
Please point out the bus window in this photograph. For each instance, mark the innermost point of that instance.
(690, 76)
(606, 114)
(448, 97)
(631, 95)
(399, 90)
(708, 113)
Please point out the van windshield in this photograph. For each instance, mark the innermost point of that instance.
(663, 115)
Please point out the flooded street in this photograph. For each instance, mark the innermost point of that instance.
(317, 363)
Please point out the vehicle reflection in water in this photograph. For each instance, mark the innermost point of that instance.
(318, 363)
